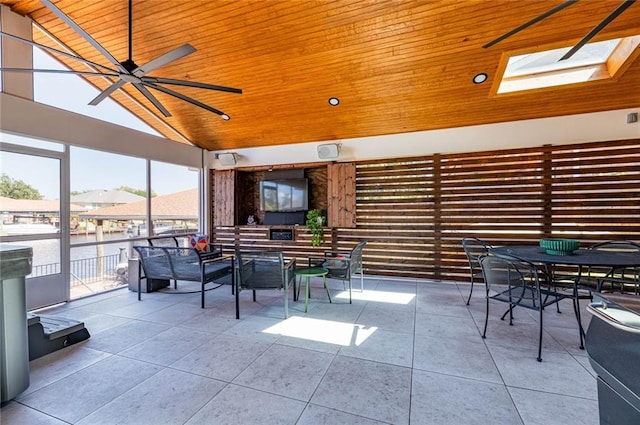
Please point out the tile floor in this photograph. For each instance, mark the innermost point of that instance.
(405, 352)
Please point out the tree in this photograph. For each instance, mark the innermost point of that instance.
(17, 189)
(139, 192)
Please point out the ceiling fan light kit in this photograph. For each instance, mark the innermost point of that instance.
(127, 71)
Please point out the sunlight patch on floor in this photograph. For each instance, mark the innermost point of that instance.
(329, 331)
(378, 296)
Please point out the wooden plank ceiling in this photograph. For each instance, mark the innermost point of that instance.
(397, 66)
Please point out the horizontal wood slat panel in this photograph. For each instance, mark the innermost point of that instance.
(526, 194)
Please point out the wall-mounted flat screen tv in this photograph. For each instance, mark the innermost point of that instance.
(284, 195)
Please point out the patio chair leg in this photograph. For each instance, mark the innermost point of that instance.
(540, 339)
(505, 313)
(470, 292)
(237, 303)
(324, 278)
(286, 301)
(576, 309)
(486, 320)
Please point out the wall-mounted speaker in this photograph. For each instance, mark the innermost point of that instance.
(227, 158)
(329, 151)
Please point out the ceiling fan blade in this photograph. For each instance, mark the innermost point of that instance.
(175, 54)
(59, 71)
(531, 22)
(606, 21)
(152, 99)
(185, 98)
(83, 33)
(154, 80)
(107, 92)
(59, 52)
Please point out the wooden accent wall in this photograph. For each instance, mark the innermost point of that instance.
(224, 198)
(414, 212)
(341, 194)
(237, 194)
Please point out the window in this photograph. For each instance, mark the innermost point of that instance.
(175, 203)
(594, 61)
(55, 89)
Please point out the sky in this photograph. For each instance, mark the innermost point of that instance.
(90, 169)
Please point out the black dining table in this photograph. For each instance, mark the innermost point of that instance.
(580, 257)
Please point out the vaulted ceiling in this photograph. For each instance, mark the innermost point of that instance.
(396, 65)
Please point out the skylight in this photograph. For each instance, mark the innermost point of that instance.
(594, 61)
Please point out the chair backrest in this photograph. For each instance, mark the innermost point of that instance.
(512, 277)
(356, 257)
(155, 261)
(163, 241)
(261, 269)
(473, 249)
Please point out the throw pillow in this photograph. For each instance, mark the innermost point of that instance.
(199, 242)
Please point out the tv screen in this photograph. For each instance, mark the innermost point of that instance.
(284, 195)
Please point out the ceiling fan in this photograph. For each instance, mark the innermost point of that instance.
(127, 71)
(617, 11)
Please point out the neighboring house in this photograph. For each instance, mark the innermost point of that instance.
(170, 213)
(95, 199)
(25, 216)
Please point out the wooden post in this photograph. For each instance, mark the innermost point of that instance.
(99, 249)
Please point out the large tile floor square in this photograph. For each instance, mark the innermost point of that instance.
(404, 352)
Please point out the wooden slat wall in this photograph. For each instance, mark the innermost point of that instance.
(596, 191)
(257, 238)
(414, 212)
(497, 196)
(395, 215)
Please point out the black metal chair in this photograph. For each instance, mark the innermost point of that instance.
(518, 283)
(259, 270)
(342, 266)
(620, 277)
(474, 248)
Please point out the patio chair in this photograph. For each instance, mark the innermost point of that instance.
(518, 283)
(623, 278)
(259, 270)
(474, 248)
(342, 266)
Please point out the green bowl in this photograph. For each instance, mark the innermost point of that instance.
(554, 246)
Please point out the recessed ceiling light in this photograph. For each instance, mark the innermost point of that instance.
(480, 78)
(334, 101)
(225, 117)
